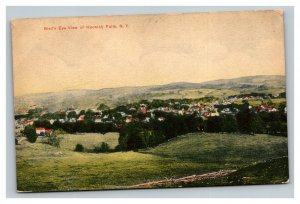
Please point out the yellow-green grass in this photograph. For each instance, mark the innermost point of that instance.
(88, 140)
(276, 101)
(41, 167)
(268, 91)
(190, 93)
(51, 170)
(199, 93)
(223, 150)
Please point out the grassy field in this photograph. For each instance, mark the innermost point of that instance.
(41, 167)
(276, 101)
(89, 140)
(273, 171)
(222, 150)
(44, 168)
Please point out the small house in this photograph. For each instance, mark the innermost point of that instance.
(40, 131)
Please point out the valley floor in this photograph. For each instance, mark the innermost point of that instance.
(41, 167)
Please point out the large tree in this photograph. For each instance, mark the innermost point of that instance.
(30, 134)
(256, 124)
(229, 123)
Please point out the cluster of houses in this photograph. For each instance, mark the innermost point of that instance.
(20, 124)
(43, 131)
(201, 109)
(264, 108)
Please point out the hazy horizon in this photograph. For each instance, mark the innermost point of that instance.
(32, 94)
(151, 50)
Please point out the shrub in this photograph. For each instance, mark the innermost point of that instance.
(30, 134)
(53, 140)
(79, 148)
(60, 131)
(104, 147)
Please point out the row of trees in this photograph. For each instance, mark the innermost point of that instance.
(249, 122)
(78, 126)
(140, 135)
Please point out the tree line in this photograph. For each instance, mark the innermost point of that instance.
(140, 134)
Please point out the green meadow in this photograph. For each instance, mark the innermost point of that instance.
(41, 167)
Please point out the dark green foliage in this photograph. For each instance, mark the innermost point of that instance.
(130, 136)
(72, 114)
(53, 140)
(102, 148)
(229, 123)
(20, 116)
(82, 112)
(174, 126)
(57, 125)
(33, 113)
(42, 123)
(89, 114)
(214, 124)
(277, 128)
(194, 123)
(30, 134)
(56, 115)
(282, 95)
(256, 124)
(243, 119)
(103, 128)
(84, 126)
(79, 148)
(275, 122)
(156, 103)
(134, 136)
(16, 141)
(140, 135)
(249, 122)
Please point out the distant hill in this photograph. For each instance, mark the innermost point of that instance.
(84, 99)
(242, 83)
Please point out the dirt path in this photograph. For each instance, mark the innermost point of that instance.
(187, 179)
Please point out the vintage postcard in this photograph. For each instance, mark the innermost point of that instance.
(150, 101)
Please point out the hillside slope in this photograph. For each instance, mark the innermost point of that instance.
(273, 171)
(228, 150)
(84, 99)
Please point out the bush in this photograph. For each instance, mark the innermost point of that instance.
(60, 131)
(30, 134)
(104, 147)
(53, 140)
(79, 148)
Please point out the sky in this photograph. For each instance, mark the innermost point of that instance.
(58, 54)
